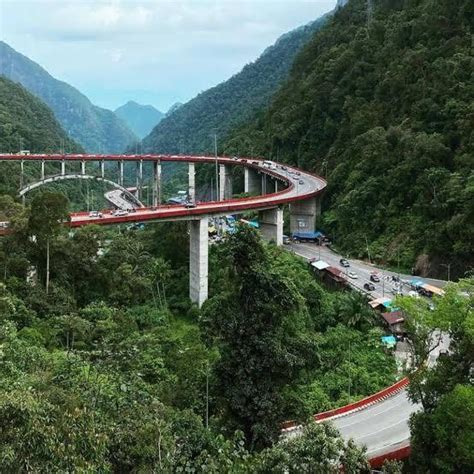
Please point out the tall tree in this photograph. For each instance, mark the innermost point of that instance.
(259, 325)
(49, 211)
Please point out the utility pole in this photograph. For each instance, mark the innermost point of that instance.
(368, 252)
(448, 267)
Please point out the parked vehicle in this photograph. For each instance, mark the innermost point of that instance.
(369, 286)
(375, 278)
(286, 240)
(344, 263)
(352, 275)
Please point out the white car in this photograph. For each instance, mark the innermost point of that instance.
(352, 275)
(95, 214)
(120, 213)
(413, 294)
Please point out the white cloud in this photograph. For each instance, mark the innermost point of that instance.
(158, 50)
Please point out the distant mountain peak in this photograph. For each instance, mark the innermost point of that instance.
(95, 128)
(140, 118)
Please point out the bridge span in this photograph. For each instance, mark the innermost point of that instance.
(270, 186)
(379, 422)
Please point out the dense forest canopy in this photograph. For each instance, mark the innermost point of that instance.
(383, 109)
(189, 127)
(113, 359)
(96, 129)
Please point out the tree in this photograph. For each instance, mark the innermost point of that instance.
(442, 432)
(49, 211)
(259, 326)
(317, 449)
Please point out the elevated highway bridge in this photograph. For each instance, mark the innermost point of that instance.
(380, 422)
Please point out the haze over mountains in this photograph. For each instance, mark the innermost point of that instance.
(221, 108)
(96, 129)
(140, 118)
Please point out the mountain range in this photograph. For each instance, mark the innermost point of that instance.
(188, 128)
(382, 107)
(96, 129)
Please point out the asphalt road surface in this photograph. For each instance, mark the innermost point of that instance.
(362, 269)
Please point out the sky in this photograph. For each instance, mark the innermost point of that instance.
(153, 52)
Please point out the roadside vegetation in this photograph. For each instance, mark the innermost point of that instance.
(107, 370)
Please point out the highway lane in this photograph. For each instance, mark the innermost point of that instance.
(381, 426)
(362, 269)
(300, 185)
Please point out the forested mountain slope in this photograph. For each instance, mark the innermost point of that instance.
(386, 113)
(140, 118)
(219, 109)
(97, 129)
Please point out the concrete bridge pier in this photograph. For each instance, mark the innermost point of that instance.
(83, 167)
(252, 181)
(156, 183)
(271, 225)
(191, 182)
(120, 170)
(303, 215)
(42, 169)
(225, 182)
(102, 168)
(139, 179)
(63, 167)
(198, 260)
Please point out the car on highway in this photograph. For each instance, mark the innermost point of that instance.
(352, 275)
(120, 213)
(375, 278)
(396, 291)
(301, 181)
(344, 263)
(413, 294)
(95, 214)
(369, 286)
(189, 204)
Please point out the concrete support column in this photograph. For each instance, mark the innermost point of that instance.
(22, 175)
(63, 167)
(42, 169)
(225, 182)
(303, 215)
(156, 183)
(191, 182)
(276, 185)
(198, 260)
(120, 166)
(139, 179)
(83, 167)
(271, 225)
(102, 168)
(252, 182)
(264, 183)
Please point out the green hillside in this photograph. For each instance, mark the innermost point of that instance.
(187, 129)
(96, 129)
(386, 113)
(27, 123)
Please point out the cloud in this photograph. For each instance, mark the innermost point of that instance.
(169, 50)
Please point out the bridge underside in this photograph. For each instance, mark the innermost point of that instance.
(62, 177)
